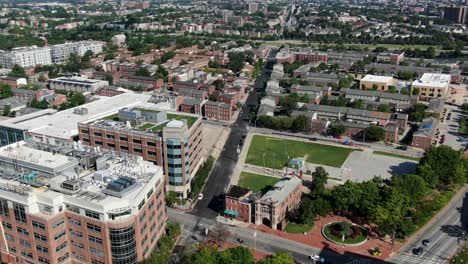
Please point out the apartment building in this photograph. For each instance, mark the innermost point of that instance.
(54, 211)
(26, 57)
(376, 82)
(391, 57)
(170, 140)
(13, 82)
(61, 52)
(433, 85)
(218, 111)
(77, 84)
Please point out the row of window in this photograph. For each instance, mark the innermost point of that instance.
(121, 138)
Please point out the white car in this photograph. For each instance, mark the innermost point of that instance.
(317, 258)
(200, 196)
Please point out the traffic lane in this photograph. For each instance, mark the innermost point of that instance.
(436, 233)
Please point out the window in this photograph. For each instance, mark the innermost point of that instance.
(9, 237)
(12, 249)
(42, 249)
(86, 139)
(75, 233)
(38, 225)
(73, 209)
(150, 143)
(43, 260)
(92, 214)
(137, 141)
(142, 217)
(22, 231)
(123, 138)
(58, 223)
(142, 203)
(96, 252)
(4, 208)
(6, 225)
(149, 193)
(95, 240)
(110, 145)
(74, 221)
(61, 246)
(123, 148)
(137, 150)
(77, 244)
(151, 204)
(152, 153)
(59, 235)
(27, 254)
(20, 213)
(96, 142)
(94, 228)
(110, 136)
(98, 134)
(63, 258)
(93, 261)
(24, 243)
(40, 237)
(84, 131)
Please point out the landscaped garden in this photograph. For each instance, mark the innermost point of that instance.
(257, 182)
(275, 153)
(295, 228)
(345, 233)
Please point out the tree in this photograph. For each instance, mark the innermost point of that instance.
(464, 107)
(6, 110)
(301, 124)
(17, 71)
(279, 258)
(384, 108)
(445, 163)
(236, 61)
(240, 255)
(411, 185)
(358, 104)
(219, 84)
(5, 91)
(415, 91)
(167, 56)
(142, 71)
(336, 129)
(219, 234)
(374, 133)
(319, 180)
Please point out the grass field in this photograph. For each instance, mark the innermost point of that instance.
(395, 155)
(256, 182)
(461, 257)
(275, 152)
(294, 228)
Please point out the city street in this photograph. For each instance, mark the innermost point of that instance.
(445, 232)
(219, 179)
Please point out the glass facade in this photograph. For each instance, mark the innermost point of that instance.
(123, 245)
(9, 136)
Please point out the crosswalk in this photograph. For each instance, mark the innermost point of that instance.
(412, 259)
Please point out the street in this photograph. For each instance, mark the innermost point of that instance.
(445, 233)
(219, 179)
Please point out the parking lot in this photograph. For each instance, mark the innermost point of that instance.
(449, 127)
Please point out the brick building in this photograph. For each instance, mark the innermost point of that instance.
(356, 131)
(170, 140)
(424, 136)
(197, 94)
(156, 83)
(238, 204)
(13, 82)
(178, 85)
(191, 105)
(218, 111)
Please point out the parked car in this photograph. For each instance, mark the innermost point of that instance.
(402, 147)
(200, 196)
(426, 242)
(338, 136)
(418, 251)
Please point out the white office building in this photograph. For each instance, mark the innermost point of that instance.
(26, 57)
(61, 52)
(77, 84)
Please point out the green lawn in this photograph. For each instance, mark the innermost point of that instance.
(145, 126)
(396, 155)
(294, 228)
(190, 119)
(275, 152)
(358, 239)
(256, 182)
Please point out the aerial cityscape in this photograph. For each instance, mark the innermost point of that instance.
(234, 132)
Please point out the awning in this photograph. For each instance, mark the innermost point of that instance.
(229, 212)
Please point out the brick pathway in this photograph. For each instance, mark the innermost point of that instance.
(314, 238)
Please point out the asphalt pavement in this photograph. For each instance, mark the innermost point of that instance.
(445, 233)
(219, 178)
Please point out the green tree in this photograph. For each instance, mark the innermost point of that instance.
(17, 71)
(5, 91)
(410, 185)
(142, 71)
(415, 91)
(6, 110)
(445, 163)
(358, 104)
(236, 61)
(384, 108)
(319, 180)
(301, 124)
(464, 107)
(374, 133)
(336, 129)
(167, 56)
(279, 258)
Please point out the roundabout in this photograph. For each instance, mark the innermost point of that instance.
(345, 233)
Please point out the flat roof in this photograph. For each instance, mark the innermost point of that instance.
(281, 190)
(377, 78)
(64, 124)
(436, 80)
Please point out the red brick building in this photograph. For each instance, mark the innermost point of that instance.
(191, 105)
(424, 137)
(177, 85)
(157, 83)
(310, 56)
(13, 82)
(238, 204)
(198, 94)
(218, 111)
(356, 131)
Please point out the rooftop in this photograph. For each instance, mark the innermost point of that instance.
(377, 78)
(281, 190)
(434, 80)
